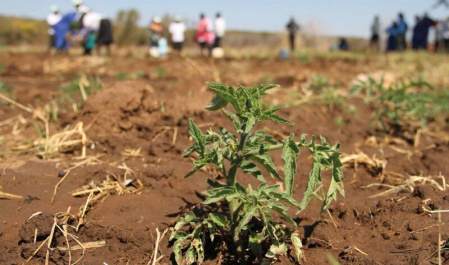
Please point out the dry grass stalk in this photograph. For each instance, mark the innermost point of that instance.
(112, 185)
(61, 222)
(409, 182)
(129, 152)
(9, 196)
(86, 161)
(360, 157)
(159, 238)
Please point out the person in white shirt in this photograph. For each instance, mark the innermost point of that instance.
(52, 19)
(96, 30)
(220, 29)
(177, 29)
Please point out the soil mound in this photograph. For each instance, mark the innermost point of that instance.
(127, 106)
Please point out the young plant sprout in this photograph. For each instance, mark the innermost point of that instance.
(250, 226)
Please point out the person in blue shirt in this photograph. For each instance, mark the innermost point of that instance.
(402, 32)
(393, 33)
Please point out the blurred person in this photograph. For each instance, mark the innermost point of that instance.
(375, 34)
(162, 46)
(402, 32)
(446, 34)
(421, 32)
(95, 26)
(439, 36)
(80, 7)
(220, 29)
(343, 44)
(205, 35)
(156, 28)
(415, 33)
(52, 19)
(62, 30)
(392, 41)
(292, 28)
(177, 30)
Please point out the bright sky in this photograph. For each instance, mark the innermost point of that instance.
(333, 17)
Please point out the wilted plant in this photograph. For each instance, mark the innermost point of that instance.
(250, 222)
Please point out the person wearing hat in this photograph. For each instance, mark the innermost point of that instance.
(80, 7)
(220, 29)
(52, 19)
(96, 31)
(177, 29)
(155, 29)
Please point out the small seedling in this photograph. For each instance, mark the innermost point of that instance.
(250, 225)
(79, 89)
(7, 91)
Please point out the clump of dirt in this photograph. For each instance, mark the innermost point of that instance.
(127, 106)
(37, 228)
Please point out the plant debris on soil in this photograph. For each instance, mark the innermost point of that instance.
(103, 183)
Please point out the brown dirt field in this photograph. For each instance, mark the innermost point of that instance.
(151, 113)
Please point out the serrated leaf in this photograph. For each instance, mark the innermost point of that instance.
(228, 93)
(250, 124)
(276, 118)
(282, 210)
(249, 213)
(290, 152)
(233, 118)
(218, 194)
(312, 182)
(198, 138)
(218, 219)
(217, 103)
(252, 169)
(297, 246)
(266, 161)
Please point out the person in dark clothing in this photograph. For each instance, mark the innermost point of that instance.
(421, 32)
(343, 45)
(393, 33)
(375, 34)
(292, 28)
(415, 33)
(402, 32)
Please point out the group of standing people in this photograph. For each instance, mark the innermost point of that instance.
(91, 29)
(208, 35)
(397, 34)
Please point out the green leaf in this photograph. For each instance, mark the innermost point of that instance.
(250, 124)
(297, 246)
(198, 165)
(290, 152)
(266, 161)
(198, 138)
(276, 118)
(218, 194)
(216, 103)
(282, 210)
(252, 169)
(218, 219)
(227, 93)
(190, 255)
(234, 118)
(254, 244)
(312, 182)
(249, 213)
(177, 250)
